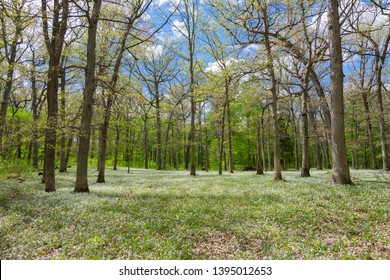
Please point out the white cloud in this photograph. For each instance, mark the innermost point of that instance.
(217, 66)
(178, 28)
(163, 2)
(213, 67)
(154, 50)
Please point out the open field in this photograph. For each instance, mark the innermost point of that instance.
(169, 215)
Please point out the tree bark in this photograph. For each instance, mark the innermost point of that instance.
(193, 110)
(103, 141)
(370, 135)
(159, 128)
(259, 157)
(324, 104)
(305, 125)
(166, 144)
(207, 160)
(68, 150)
(340, 171)
(269, 143)
(318, 139)
(146, 149)
(271, 73)
(35, 114)
(116, 149)
(230, 135)
(263, 140)
(222, 139)
(87, 111)
(63, 164)
(296, 136)
(110, 101)
(11, 61)
(379, 62)
(200, 137)
(54, 46)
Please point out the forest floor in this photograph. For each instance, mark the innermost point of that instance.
(150, 214)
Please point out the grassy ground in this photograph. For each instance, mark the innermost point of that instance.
(169, 215)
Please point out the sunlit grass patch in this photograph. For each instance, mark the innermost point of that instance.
(150, 214)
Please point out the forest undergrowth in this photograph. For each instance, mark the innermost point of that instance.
(150, 214)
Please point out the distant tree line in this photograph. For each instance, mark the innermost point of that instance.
(194, 85)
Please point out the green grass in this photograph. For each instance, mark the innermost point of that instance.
(169, 215)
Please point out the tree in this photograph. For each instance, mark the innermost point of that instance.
(229, 73)
(340, 170)
(135, 12)
(371, 25)
(54, 46)
(155, 70)
(189, 13)
(81, 184)
(256, 22)
(14, 21)
(35, 77)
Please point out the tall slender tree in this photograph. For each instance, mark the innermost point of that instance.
(135, 12)
(155, 70)
(81, 184)
(13, 21)
(54, 44)
(189, 13)
(340, 170)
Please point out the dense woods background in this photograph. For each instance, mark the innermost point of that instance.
(194, 85)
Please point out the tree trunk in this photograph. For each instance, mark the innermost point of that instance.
(365, 161)
(318, 140)
(269, 144)
(324, 104)
(128, 148)
(305, 126)
(174, 158)
(259, 158)
(166, 144)
(296, 136)
(325, 148)
(110, 102)
(230, 136)
(382, 126)
(207, 160)
(87, 111)
(34, 108)
(68, 150)
(192, 139)
(222, 140)
(159, 130)
(249, 146)
(370, 134)
(271, 73)
(63, 166)
(146, 149)
(263, 140)
(225, 166)
(200, 137)
(187, 151)
(54, 48)
(5, 102)
(116, 149)
(51, 130)
(340, 171)
(11, 60)
(103, 141)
